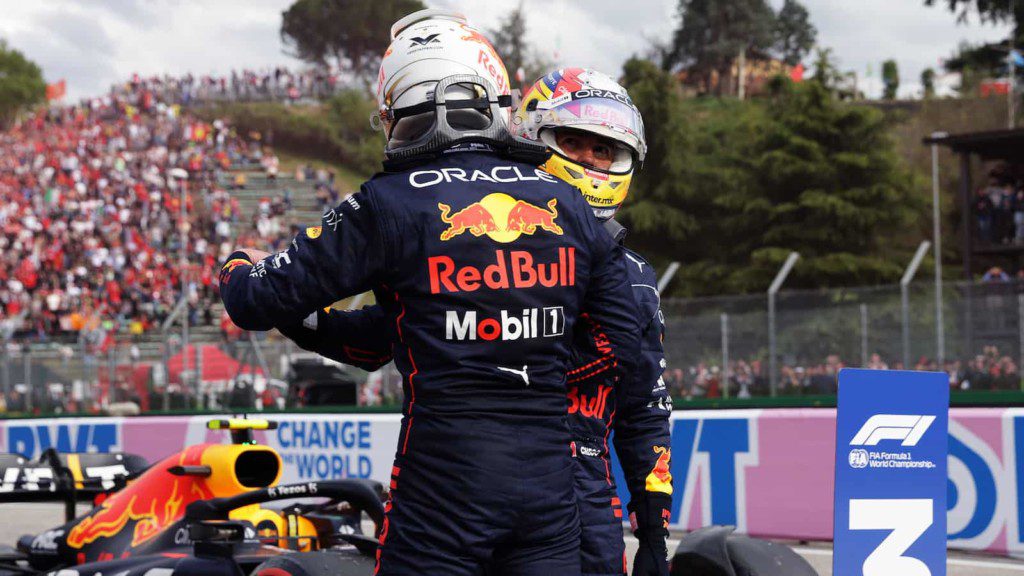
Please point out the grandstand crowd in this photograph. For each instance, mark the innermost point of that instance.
(89, 212)
(999, 209)
(989, 370)
(268, 84)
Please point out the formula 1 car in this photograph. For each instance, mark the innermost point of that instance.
(207, 510)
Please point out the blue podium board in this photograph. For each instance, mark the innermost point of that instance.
(892, 431)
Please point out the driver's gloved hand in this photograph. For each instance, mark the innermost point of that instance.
(649, 519)
(652, 557)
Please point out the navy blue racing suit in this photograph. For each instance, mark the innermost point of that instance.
(482, 265)
(638, 413)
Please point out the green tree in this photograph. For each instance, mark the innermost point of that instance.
(360, 145)
(657, 206)
(989, 10)
(984, 60)
(928, 82)
(794, 33)
(729, 188)
(21, 84)
(834, 191)
(712, 34)
(351, 34)
(891, 79)
(509, 40)
(826, 71)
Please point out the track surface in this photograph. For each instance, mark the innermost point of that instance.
(18, 519)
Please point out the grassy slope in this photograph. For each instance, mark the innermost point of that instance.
(300, 134)
(350, 179)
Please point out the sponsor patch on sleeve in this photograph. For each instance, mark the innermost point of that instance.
(225, 272)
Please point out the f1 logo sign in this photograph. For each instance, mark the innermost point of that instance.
(891, 480)
(909, 428)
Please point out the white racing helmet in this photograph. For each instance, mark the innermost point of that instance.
(420, 114)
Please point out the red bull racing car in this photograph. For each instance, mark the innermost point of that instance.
(208, 510)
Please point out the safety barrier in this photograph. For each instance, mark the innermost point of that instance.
(769, 472)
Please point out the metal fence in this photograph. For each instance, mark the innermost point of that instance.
(719, 345)
(250, 373)
(715, 347)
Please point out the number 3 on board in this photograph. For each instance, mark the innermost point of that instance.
(908, 519)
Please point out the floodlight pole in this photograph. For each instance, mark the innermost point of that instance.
(670, 273)
(940, 327)
(863, 335)
(741, 72)
(725, 354)
(1012, 63)
(773, 377)
(1010, 95)
(908, 276)
(183, 264)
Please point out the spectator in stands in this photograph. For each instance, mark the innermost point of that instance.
(1018, 214)
(743, 378)
(323, 197)
(675, 382)
(791, 380)
(270, 164)
(983, 208)
(277, 84)
(995, 274)
(1003, 213)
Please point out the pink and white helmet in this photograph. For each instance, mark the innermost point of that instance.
(428, 46)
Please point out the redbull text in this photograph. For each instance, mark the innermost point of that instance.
(495, 68)
(512, 269)
(592, 407)
(489, 59)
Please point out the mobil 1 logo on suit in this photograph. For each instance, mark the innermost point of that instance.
(890, 495)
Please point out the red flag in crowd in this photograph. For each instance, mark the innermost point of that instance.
(994, 88)
(56, 91)
(797, 73)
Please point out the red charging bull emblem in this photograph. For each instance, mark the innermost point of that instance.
(151, 511)
(144, 508)
(660, 479)
(501, 217)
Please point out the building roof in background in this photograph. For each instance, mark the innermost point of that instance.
(990, 145)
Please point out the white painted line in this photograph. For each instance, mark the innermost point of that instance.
(966, 562)
(984, 564)
(1018, 567)
(812, 551)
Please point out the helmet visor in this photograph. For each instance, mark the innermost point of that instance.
(623, 157)
(604, 116)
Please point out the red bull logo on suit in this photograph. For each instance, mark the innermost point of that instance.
(501, 217)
